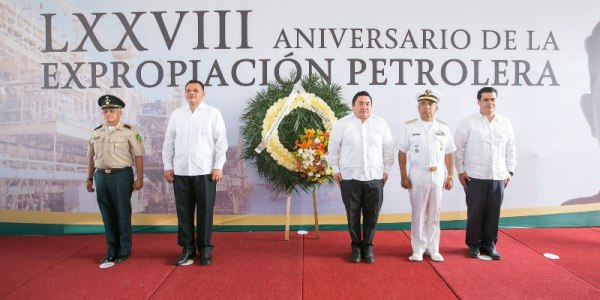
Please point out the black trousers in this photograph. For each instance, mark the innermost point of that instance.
(484, 199)
(113, 192)
(366, 198)
(195, 193)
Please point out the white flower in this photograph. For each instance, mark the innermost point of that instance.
(307, 156)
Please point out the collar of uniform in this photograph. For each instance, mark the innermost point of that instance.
(423, 123)
(119, 126)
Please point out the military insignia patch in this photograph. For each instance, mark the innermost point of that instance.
(138, 138)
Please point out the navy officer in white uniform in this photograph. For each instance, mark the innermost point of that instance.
(426, 145)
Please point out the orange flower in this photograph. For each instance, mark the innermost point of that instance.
(311, 149)
(309, 133)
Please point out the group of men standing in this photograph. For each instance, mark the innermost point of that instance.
(361, 153)
(194, 152)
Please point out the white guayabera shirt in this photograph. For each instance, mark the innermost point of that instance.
(485, 150)
(361, 151)
(195, 143)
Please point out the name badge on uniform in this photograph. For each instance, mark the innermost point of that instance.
(440, 133)
(415, 134)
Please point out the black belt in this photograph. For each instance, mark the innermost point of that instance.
(115, 170)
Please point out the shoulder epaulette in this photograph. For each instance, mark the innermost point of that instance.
(98, 127)
(441, 121)
(411, 121)
(127, 126)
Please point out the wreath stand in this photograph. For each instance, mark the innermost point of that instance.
(298, 98)
(288, 216)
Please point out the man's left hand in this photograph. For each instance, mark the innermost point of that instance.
(507, 181)
(138, 184)
(449, 183)
(217, 174)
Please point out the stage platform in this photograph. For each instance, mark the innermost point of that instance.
(261, 265)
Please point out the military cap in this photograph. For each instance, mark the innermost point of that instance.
(110, 101)
(430, 94)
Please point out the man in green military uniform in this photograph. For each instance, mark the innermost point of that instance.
(112, 150)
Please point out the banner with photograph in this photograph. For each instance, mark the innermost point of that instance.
(59, 56)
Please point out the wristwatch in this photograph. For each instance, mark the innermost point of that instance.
(89, 179)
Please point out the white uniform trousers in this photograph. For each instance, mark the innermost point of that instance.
(426, 200)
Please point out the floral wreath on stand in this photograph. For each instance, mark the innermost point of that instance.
(279, 153)
(291, 120)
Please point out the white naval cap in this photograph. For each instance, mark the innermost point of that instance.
(429, 94)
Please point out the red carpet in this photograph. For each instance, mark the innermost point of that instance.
(78, 277)
(260, 265)
(578, 248)
(25, 258)
(328, 273)
(521, 274)
(250, 265)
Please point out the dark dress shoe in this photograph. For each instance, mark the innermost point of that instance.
(107, 262)
(121, 258)
(355, 254)
(474, 252)
(206, 259)
(185, 256)
(492, 253)
(368, 254)
(107, 258)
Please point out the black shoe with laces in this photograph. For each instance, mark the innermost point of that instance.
(107, 259)
(474, 252)
(355, 255)
(492, 253)
(368, 254)
(121, 258)
(185, 258)
(107, 262)
(205, 258)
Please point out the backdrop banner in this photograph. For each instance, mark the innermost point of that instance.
(59, 56)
